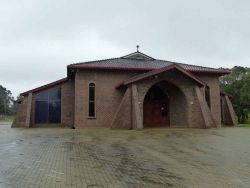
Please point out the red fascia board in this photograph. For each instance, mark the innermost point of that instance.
(107, 68)
(158, 71)
(47, 86)
(142, 69)
(143, 76)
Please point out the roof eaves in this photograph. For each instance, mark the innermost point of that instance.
(200, 68)
(107, 68)
(216, 71)
(94, 61)
(47, 86)
(204, 70)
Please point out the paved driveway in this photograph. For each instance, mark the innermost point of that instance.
(60, 157)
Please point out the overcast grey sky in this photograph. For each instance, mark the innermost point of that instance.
(39, 38)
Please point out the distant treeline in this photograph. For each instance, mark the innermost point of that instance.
(237, 84)
(7, 105)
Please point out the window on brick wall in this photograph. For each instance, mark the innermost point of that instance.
(91, 100)
(207, 95)
(48, 106)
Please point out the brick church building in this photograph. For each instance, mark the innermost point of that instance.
(131, 92)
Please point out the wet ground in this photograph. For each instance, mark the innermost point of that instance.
(60, 157)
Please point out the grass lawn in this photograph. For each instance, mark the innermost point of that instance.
(6, 119)
(247, 124)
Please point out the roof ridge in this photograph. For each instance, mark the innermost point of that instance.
(137, 52)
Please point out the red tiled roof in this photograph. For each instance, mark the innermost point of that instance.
(140, 61)
(131, 62)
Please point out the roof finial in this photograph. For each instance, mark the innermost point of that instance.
(137, 48)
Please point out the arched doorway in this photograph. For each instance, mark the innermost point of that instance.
(165, 104)
(156, 108)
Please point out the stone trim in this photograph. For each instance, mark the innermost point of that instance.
(206, 113)
(231, 111)
(138, 124)
(28, 112)
(122, 118)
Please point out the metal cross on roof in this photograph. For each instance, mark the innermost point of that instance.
(137, 48)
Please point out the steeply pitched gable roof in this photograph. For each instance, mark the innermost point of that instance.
(140, 61)
(159, 71)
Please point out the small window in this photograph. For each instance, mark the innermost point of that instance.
(207, 95)
(91, 100)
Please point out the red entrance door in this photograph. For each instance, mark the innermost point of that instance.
(156, 113)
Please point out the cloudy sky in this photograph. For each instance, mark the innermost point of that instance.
(38, 39)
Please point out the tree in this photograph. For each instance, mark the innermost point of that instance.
(237, 84)
(6, 101)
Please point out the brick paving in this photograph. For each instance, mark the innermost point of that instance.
(61, 157)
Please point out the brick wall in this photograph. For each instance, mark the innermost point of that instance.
(107, 97)
(20, 118)
(184, 107)
(122, 118)
(185, 110)
(213, 83)
(68, 103)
